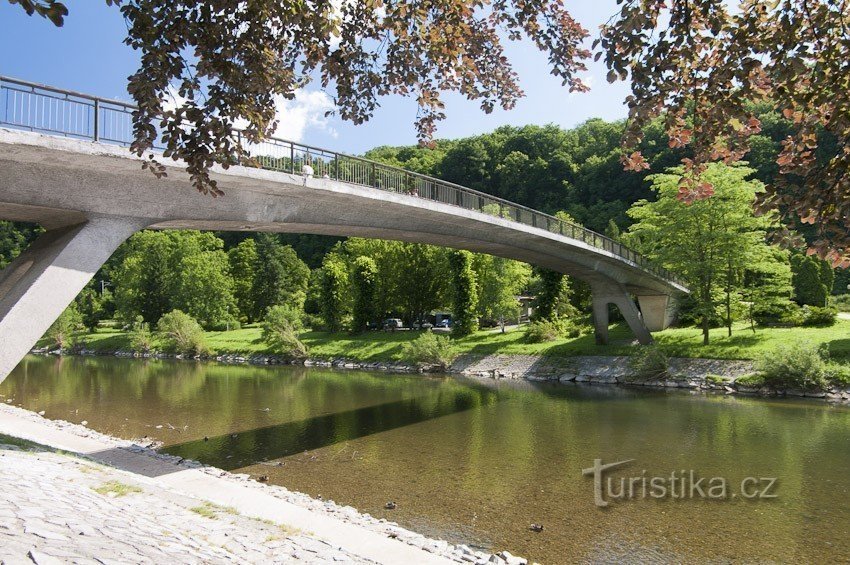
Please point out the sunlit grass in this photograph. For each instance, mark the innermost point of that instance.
(388, 346)
(114, 489)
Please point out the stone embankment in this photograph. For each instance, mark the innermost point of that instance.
(103, 499)
(720, 375)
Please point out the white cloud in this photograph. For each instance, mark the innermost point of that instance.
(295, 117)
(305, 112)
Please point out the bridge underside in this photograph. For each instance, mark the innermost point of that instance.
(91, 197)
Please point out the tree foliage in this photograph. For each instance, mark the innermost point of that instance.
(280, 331)
(364, 273)
(182, 333)
(280, 277)
(708, 242)
(465, 304)
(812, 284)
(699, 64)
(334, 292)
(243, 261)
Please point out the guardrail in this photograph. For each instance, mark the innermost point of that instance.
(35, 107)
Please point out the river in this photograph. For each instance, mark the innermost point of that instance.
(478, 462)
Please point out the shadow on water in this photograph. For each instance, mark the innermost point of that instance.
(233, 451)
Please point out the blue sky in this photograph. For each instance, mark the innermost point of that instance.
(88, 55)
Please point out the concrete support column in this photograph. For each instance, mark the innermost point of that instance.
(604, 294)
(658, 311)
(38, 285)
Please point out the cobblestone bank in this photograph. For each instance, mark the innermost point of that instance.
(165, 518)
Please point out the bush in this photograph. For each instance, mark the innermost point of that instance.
(141, 337)
(649, 362)
(817, 316)
(182, 333)
(228, 324)
(542, 331)
(841, 302)
(802, 366)
(430, 349)
(838, 374)
(784, 313)
(280, 331)
(63, 332)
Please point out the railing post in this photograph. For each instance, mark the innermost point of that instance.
(336, 166)
(292, 157)
(96, 120)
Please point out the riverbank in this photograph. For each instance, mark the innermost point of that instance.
(77, 493)
(387, 347)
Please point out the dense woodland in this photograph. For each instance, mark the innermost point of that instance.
(227, 279)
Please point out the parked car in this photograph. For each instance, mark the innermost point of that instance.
(444, 323)
(393, 324)
(422, 325)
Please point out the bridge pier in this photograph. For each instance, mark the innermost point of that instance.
(40, 283)
(604, 294)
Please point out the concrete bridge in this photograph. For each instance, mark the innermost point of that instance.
(64, 165)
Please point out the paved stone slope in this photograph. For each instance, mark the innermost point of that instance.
(59, 508)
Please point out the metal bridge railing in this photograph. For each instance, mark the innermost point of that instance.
(34, 107)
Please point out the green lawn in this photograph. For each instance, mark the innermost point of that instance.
(385, 346)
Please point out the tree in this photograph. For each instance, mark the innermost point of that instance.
(90, 306)
(14, 238)
(552, 295)
(500, 281)
(243, 261)
(810, 288)
(280, 277)
(182, 333)
(62, 333)
(360, 50)
(204, 290)
(708, 242)
(280, 331)
(172, 269)
(333, 293)
(465, 320)
(699, 64)
(363, 275)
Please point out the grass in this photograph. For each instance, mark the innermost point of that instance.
(211, 511)
(388, 346)
(115, 489)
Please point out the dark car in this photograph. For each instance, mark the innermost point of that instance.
(393, 324)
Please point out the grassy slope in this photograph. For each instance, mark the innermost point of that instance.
(374, 346)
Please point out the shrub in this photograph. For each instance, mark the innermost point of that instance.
(280, 331)
(430, 349)
(817, 316)
(182, 333)
(838, 374)
(542, 331)
(751, 381)
(801, 366)
(141, 337)
(62, 333)
(841, 302)
(649, 362)
(227, 324)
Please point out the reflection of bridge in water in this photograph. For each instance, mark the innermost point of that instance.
(64, 165)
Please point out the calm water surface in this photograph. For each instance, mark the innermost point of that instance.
(476, 462)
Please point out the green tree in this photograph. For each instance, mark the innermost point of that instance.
(708, 242)
(63, 332)
(280, 331)
(552, 295)
(204, 290)
(14, 238)
(334, 293)
(280, 277)
(91, 307)
(182, 333)
(812, 283)
(500, 281)
(465, 319)
(363, 275)
(243, 261)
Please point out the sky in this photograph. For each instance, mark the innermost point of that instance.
(88, 55)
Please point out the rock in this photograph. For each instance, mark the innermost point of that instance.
(512, 559)
(536, 528)
(390, 505)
